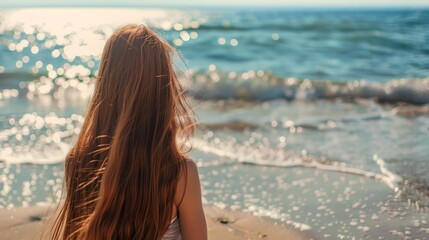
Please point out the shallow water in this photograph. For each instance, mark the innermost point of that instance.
(277, 94)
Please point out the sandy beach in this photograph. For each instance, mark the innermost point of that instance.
(27, 223)
(311, 124)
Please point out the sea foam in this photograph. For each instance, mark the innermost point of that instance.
(262, 86)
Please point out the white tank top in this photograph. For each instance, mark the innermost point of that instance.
(173, 231)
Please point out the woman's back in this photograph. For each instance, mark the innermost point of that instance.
(127, 171)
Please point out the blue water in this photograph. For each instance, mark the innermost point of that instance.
(330, 48)
(341, 90)
(339, 46)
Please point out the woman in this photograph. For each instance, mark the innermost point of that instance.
(126, 176)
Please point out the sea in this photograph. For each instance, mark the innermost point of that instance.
(316, 118)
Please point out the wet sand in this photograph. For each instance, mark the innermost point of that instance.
(27, 223)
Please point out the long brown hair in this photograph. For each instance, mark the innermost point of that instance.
(121, 174)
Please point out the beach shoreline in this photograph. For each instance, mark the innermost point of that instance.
(28, 223)
(311, 124)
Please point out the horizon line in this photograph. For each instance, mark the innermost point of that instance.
(357, 6)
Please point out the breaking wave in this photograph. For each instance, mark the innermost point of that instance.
(261, 86)
(249, 86)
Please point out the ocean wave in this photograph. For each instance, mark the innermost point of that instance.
(403, 187)
(386, 176)
(234, 125)
(281, 26)
(255, 86)
(262, 86)
(37, 139)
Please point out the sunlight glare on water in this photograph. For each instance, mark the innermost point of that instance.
(315, 119)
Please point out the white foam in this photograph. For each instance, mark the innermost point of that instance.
(49, 156)
(37, 139)
(267, 86)
(389, 178)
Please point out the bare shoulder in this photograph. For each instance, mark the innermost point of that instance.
(188, 181)
(192, 176)
(191, 166)
(192, 220)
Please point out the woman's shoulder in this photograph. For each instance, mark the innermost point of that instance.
(190, 164)
(189, 173)
(188, 178)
